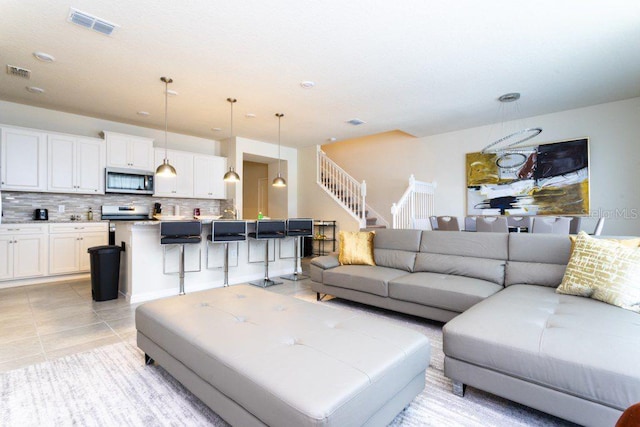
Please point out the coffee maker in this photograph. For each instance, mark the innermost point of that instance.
(157, 208)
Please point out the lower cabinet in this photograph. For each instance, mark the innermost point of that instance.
(68, 244)
(23, 251)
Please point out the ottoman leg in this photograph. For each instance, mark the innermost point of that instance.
(459, 388)
(147, 359)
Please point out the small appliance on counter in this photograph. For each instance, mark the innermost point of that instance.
(157, 208)
(41, 214)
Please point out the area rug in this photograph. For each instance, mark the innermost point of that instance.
(111, 386)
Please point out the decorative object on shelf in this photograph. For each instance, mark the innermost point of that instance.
(279, 181)
(514, 138)
(165, 169)
(231, 175)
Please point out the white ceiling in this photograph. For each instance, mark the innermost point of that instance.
(422, 67)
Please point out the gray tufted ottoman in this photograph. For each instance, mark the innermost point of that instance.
(258, 358)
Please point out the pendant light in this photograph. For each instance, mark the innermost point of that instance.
(279, 181)
(231, 175)
(165, 169)
(514, 138)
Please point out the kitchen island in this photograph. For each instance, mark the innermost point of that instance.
(141, 269)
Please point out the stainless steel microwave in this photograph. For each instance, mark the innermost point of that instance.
(131, 181)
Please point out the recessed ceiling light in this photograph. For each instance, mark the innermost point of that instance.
(44, 57)
(34, 89)
(332, 139)
(172, 92)
(143, 113)
(250, 116)
(216, 129)
(356, 122)
(307, 84)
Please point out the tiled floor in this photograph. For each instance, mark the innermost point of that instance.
(47, 321)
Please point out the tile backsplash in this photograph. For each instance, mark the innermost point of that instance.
(18, 206)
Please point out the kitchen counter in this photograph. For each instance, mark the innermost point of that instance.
(141, 270)
(62, 221)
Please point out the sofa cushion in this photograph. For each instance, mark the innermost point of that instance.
(363, 278)
(356, 247)
(491, 270)
(604, 270)
(403, 240)
(539, 248)
(578, 346)
(485, 245)
(393, 258)
(449, 292)
(533, 273)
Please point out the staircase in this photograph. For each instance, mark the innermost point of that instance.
(415, 206)
(346, 191)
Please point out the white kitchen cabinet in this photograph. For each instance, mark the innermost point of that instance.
(180, 185)
(75, 164)
(23, 159)
(208, 172)
(130, 152)
(68, 244)
(23, 251)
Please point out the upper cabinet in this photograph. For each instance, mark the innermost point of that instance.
(130, 152)
(208, 172)
(76, 164)
(23, 157)
(180, 185)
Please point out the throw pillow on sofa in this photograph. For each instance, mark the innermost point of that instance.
(603, 270)
(356, 248)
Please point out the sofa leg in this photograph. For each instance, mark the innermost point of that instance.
(147, 359)
(459, 388)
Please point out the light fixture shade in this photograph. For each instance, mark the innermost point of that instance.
(231, 175)
(165, 169)
(279, 181)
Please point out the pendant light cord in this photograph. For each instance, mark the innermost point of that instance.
(166, 114)
(279, 116)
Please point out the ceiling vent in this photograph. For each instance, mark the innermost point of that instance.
(18, 71)
(356, 122)
(91, 22)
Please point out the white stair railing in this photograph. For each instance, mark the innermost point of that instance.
(415, 206)
(342, 187)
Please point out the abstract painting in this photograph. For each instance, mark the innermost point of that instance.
(546, 179)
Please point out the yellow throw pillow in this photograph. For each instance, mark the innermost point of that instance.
(629, 243)
(603, 270)
(356, 248)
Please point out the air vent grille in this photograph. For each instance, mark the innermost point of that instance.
(356, 122)
(18, 71)
(91, 22)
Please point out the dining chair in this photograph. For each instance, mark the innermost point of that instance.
(448, 223)
(599, 226)
(520, 223)
(470, 223)
(551, 224)
(492, 224)
(433, 220)
(576, 223)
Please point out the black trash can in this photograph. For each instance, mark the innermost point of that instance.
(105, 271)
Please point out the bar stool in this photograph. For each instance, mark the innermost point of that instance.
(266, 230)
(180, 233)
(224, 232)
(296, 228)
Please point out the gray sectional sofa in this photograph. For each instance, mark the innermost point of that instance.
(507, 332)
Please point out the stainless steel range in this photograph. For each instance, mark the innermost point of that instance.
(123, 213)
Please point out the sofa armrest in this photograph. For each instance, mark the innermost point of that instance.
(325, 262)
